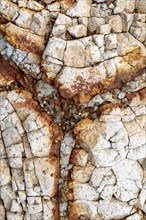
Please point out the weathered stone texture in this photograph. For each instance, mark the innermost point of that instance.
(72, 109)
(29, 157)
(115, 148)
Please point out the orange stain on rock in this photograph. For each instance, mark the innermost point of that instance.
(69, 2)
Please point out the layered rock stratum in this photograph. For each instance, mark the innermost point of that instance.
(72, 110)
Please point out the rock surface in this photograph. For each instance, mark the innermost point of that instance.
(72, 110)
(115, 145)
(29, 157)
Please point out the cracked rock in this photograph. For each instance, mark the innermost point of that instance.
(33, 163)
(72, 110)
(116, 179)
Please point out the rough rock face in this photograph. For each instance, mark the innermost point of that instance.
(29, 158)
(90, 38)
(72, 110)
(109, 163)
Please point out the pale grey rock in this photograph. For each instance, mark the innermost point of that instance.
(100, 1)
(105, 29)
(95, 23)
(8, 9)
(105, 158)
(12, 136)
(7, 196)
(82, 174)
(111, 150)
(85, 192)
(48, 208)
(34, 205)
(137, 153)
(55, 48)
(137, 140)
(113, 209)
(140, 6)
(127, 20)
(81, 158)
(119, 171)
(45, 173)
(100, 144)
(31, 4)
(128, 115)
(108, 180)
(110, 54)
(2, 149)
(115, 23)
(132, 128)
(54, 7)
(67, 145)
(52, 69)
(18, 182)
(95, 101)
(83, 20)
(29, 176)
(137, 216)
(87, 41)
(12, 215)
(107, 193)
(28, 62)
(99, 40)
(137, 30)
(120, 6)
(111, 41)
(130, 6)
(80, 9)
(24, 18)
(78, 31)
(5, 177)
(98, 175)
(44, 89)
(48, 1)
(62, 23)
(74, 55)
(42, 138)
(129, 174)
(16, 207)
(110, 67)
(2, 209)
(39, 24)
(87, 208)
(14, 153)
(94, 55)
